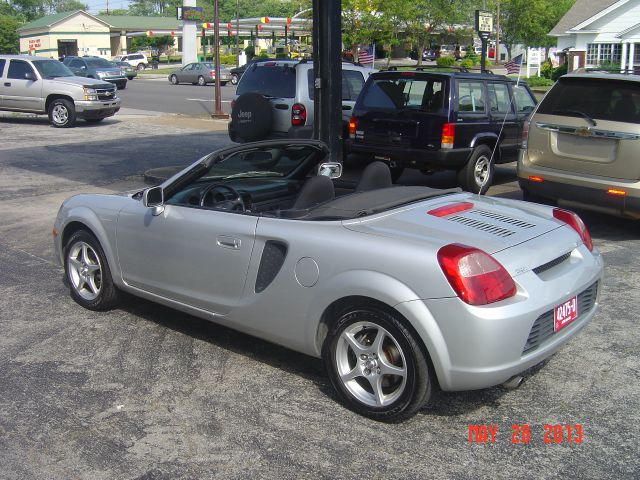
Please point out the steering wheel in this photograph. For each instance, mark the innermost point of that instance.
(214, 196)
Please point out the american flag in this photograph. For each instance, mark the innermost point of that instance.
(365, 55)
(513, 65)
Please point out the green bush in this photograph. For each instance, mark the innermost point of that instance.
(282, 55)
(558, 72)
(445, 61)
(263, 55)
(467, 63)
(609, 67)
(228, 59)
(471, 55)
(538, 81)
(250, 51)
(546, 69)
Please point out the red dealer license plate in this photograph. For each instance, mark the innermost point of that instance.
(564, 314)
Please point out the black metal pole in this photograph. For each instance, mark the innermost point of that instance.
(218, 113)
(327, 36)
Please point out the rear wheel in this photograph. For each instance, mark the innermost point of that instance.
(476, 176)
(62, 113)
(377, 365)
(141, 66)
(234, 79)
(88, 273)
(173, 79)
(201, 81)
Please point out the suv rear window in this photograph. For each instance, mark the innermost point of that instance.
(604, 99)
(352, 83)
(269, 79)
(426, 94)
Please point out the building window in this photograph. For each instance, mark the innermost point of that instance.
(592, 54)
(599, 53)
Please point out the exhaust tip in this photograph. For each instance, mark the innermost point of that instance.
(513, 383)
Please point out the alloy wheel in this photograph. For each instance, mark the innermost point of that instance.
(60, 114)
(85, 271)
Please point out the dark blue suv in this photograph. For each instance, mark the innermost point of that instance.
(441, 120)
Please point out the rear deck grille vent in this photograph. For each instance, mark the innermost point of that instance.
(480, 225)
(551, 264)
(502, 218)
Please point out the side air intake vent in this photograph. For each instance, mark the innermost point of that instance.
(272, 259)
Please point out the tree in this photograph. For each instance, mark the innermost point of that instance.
(9, 39)
(58, 6)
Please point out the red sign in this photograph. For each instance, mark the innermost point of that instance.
(34, 43)
(564, 314)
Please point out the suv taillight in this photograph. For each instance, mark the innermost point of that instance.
(353, 125)
(475, 276)
(448, 134)
(575, 222)
(525, 134)
(298, 114)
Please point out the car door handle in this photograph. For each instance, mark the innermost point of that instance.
(346, 107)
(7, 84)
(227, 241)
(282, 106)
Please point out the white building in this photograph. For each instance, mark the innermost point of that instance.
(601, 32)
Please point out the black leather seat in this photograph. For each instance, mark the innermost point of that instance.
(316, 190)
(375, 175)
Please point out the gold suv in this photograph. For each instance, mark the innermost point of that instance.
(581, 146)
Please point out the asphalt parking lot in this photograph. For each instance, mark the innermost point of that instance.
(145, 392)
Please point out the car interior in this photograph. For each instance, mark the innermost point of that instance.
(285, 182)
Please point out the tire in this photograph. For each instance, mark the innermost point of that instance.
(201, 81)
(121, 85)
(94, 120)
(62, 113)
(396, 173)
(234, 78)
(173, 79)
(222, 84)
(251, 117)
(141, 66)
(477, 174)
(88, 274)
(361, 345)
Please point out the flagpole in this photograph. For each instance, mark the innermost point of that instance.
(373, 57)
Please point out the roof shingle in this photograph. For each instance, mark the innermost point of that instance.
(580, 11)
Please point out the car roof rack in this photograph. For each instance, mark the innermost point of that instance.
(423, 68)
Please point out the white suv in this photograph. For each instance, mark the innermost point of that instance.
(137, 60)
(274, 98)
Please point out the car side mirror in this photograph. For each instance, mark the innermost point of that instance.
(154, 198)
(30, 76)
(330, 169)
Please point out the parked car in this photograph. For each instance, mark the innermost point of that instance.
(275, 99)
(583, 143)
(137, 60)
(98, 68)
(127, 70)
(46, 86)
(441, 120)
(398, 289)
(199, 73)
(429, 54)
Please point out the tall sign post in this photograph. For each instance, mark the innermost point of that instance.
(218, 113)
(484, 27)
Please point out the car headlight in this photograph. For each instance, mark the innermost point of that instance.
(90, 94)
(101, 74)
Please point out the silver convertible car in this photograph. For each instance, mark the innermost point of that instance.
(398, 289)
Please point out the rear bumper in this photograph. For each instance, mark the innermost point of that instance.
(450, 159)
(582, 191)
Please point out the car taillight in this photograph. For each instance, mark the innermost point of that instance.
(353, 124)
(575, 222)
(212, 73)
(475, 276)
(525, 134)
(451, 209)
(448, 134)
(298, 114)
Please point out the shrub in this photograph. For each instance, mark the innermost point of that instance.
(538, 81)
(467, 63)
(250, 51)
(282, 55)
(546, 69)
(558, 72)
(445, 61)
(228, 59)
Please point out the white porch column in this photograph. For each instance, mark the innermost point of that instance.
(623, 58)
(632, 54)
(189, 52)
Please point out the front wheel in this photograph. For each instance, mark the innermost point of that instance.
(173, 79)
(234, 79)
(88, 273)
(62, 113)
(377, 365)
(141, 66)
(476, 176)
(201, 81)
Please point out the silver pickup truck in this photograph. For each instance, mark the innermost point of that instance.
(46, 86)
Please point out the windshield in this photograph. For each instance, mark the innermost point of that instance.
(52, 69)
(99, 62)
(269, 79)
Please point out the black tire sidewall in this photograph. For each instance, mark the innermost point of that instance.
(107, 297)
(418, 387)
(71, 113)
(173, 79)
(466, 176)
(234, 79)
(251, 117)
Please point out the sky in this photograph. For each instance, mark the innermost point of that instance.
(97, 5)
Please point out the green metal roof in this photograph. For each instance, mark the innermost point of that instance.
(140, 23)
(116, 22)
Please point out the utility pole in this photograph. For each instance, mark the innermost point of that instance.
(497, 49)
(237, 35)
(218, 113)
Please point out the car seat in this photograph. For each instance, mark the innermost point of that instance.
(316, 190)
(375, 175)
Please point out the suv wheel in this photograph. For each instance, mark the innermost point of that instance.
(141, 66)
(62, 113)
(477, 174)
